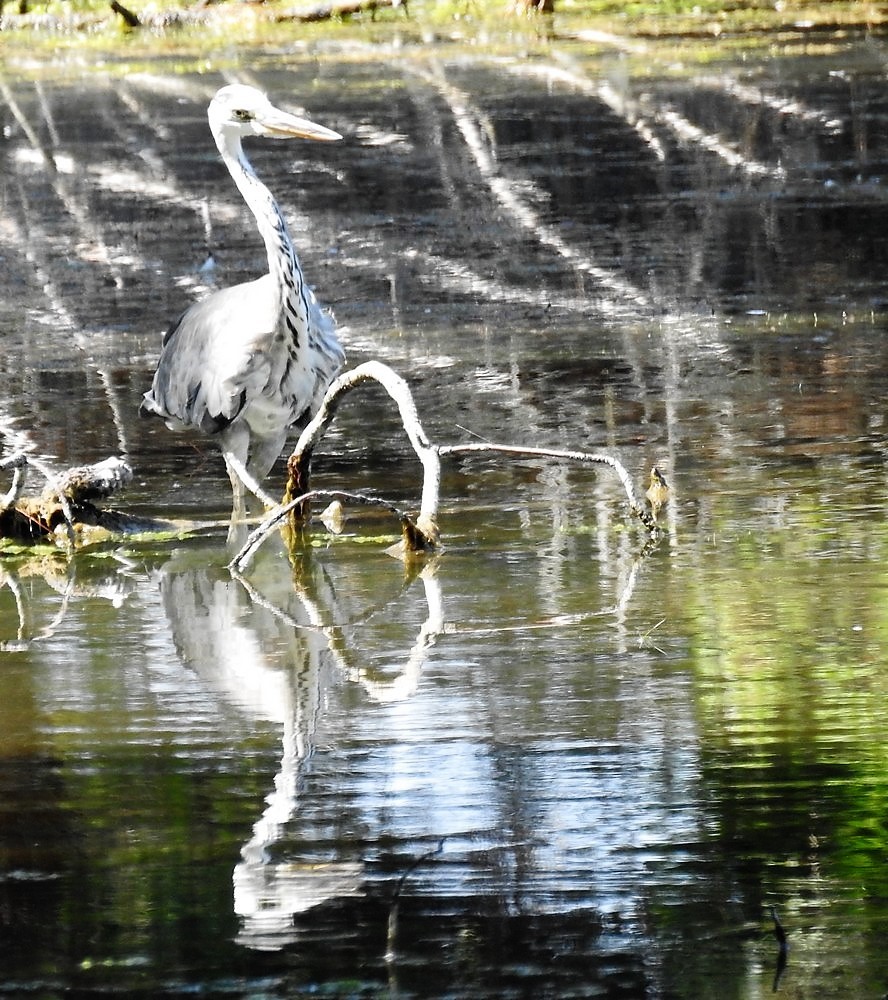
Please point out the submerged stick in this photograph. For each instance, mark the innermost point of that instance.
(412, 536)
(391, 937)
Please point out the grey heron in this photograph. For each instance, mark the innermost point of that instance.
(249, 362)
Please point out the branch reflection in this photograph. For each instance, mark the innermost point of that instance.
(274, 645)
(72, 581)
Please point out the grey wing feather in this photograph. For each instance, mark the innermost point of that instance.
(214, 358)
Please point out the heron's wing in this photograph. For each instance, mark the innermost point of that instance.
(215, 357)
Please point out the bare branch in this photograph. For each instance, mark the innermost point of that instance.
(19, 464)
(299, 463)
(635, 505)
(422, 534)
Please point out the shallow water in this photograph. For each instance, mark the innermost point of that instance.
(552, 762)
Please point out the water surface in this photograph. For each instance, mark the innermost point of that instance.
(551, 761)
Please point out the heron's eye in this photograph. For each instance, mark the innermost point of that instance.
(242, 115)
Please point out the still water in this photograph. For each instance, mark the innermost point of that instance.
(551, 761)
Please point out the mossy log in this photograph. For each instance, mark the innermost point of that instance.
(66, 510)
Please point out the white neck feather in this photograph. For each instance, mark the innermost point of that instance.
(283, 263)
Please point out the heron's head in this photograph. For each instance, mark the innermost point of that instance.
(241, 110)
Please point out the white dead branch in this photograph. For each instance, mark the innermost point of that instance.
(18, 462)
(420, 533)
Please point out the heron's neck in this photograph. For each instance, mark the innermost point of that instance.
(283, 264)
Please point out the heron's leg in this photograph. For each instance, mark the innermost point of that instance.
(241, 478)
(263, 453)
(235, 441)
(238, 493)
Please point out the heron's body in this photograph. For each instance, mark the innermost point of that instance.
(252, 361)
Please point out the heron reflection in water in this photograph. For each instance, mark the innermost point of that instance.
(267, 648)
(249, 362)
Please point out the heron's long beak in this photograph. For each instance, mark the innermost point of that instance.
(279, 124)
